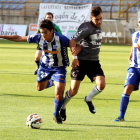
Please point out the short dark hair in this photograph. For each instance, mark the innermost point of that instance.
(49, 13)
(46, 24)
(95, 11)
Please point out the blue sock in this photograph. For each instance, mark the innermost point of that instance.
(57, 106)
(123, 104)
(50, 83)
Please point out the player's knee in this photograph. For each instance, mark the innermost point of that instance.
(128, 89)
(59, 97)
(39, 88)
(38, 55)
(73, 92)
(37, 58)
(101, 86)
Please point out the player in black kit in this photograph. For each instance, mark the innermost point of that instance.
(89, 35)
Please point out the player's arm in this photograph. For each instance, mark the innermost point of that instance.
(129, 59)
(75, 49)
(138, 46)
(15, 38)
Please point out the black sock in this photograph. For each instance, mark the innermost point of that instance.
(37, 63)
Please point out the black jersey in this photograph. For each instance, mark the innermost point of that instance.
(90, 38)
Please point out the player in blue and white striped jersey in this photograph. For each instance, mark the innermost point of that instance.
(53, 63)
(133, 74)
(38, 53)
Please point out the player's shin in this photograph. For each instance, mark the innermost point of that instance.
(66, 99)
(123, 104)
(57, 106)
(93, 93)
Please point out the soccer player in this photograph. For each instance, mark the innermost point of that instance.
(53, 63)
(89, 34)
(38, 53)
(133, 74)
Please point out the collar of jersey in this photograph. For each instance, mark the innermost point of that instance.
(52, 39)
(93, 24)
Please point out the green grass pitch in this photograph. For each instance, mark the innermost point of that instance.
(19, 98)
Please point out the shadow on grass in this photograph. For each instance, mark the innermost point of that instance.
(38, 96)
(103, 99)
(17, 48)
(116, 51)
(57, 129)
(15, 73)
(113, 126)
(19, 95)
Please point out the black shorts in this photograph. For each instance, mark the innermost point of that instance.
(38, 48)
(89, 68)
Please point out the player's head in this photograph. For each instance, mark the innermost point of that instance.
(96, 16)
(46, 29)
(49, 16)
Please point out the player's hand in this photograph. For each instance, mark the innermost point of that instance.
(73, 51)
(75, 63)
(76, 50)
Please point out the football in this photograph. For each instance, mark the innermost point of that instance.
(34, 121)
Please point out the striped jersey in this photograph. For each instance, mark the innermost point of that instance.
(54, 53)
(90, 38)
(135, 59)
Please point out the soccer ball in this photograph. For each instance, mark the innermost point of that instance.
(34, 121)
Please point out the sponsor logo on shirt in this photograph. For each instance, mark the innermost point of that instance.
(52, 52)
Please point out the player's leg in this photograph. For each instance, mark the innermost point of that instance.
(41, 85)
(100, 85)
(132, 83)
(50, 83)
(68, 95)
(38, 54)
(59, 78)
(43, 76)
(46, 84)
(95, 74)
(77, 75)
(124, 102)
(58, 102)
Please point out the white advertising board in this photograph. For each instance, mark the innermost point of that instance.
(10, 29)
(67, 17)
(138, 15)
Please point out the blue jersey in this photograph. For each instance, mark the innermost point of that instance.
(135, 59)
(58, 46)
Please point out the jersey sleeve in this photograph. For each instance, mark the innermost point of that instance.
(34, 38)
(64, 41)
(81, 33)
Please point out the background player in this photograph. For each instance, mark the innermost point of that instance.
(38, 53)
(133, 74)
(89, 35)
